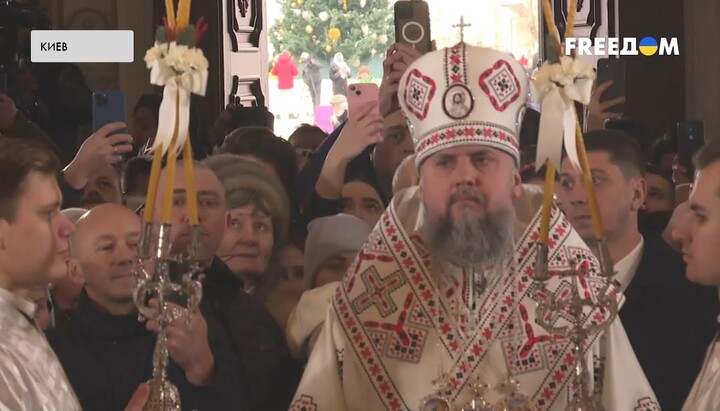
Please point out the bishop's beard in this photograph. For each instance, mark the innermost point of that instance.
(486, 240)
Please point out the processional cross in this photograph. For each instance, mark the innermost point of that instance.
(462, 26)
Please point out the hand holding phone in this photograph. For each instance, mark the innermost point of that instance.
(360, 94)
(108, 107)
(412, 24)
(612, 94)
(690, 138)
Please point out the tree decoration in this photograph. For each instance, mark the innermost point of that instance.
(334, 34)
(355, 41)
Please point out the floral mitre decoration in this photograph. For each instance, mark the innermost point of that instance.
(178, 65)
(558, 86)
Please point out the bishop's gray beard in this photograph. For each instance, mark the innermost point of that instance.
(487, 240)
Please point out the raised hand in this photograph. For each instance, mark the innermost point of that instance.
(97, 151)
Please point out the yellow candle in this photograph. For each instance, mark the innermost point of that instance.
(589, 188)
(170, 12)
(191, 201)
(547, 203)
(183, 15)
(572, 12)
(166, 215)
(152, 186)
(169, 187)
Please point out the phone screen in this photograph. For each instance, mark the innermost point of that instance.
(412, 24)
(612, 69)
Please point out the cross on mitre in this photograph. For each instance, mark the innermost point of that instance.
(462, 26)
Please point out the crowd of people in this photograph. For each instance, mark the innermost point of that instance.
(354, 270)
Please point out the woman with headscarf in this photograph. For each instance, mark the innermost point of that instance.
(339, 74)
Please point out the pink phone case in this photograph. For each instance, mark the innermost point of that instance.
(361, 93)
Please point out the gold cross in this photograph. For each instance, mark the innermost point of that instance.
(462, 26)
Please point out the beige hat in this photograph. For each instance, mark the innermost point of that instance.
(245, 181)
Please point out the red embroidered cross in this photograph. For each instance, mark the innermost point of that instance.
(399, 326)
(377, 292)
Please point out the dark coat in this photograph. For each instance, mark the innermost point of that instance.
(268, 371)
(669, 321)
(106, 357)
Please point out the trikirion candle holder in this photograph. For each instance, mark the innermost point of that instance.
(169, 281)
(558, 84)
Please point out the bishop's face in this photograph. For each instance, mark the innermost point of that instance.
(451, 179)
(468, 193)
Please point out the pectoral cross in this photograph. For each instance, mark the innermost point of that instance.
(462, 26)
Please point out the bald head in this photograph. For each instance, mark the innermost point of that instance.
(104, 220)
(105, 246)
(406, 175)
(211, 209)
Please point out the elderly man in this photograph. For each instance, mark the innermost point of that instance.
(33, 248)
(699, 233)
(106, 352)
(438, 311)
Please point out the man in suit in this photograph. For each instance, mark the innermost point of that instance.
(668, 319)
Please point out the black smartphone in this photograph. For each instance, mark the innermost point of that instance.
(412, 24)
(3, 81)
(612, 69)
(108, 107)
(691, 137)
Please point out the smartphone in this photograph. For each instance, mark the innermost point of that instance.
(412, 24)
(360, 94)
(612, 69)
(3, 81)
(108, 107)
(690, 138)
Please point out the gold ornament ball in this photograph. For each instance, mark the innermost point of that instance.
(328, 49)
(293, 5)
(308, 29)
(334, 33)
(300, 2)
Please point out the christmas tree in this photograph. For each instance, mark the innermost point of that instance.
(359, 29)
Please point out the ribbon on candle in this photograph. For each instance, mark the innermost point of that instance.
(177, 92)
(558, 86)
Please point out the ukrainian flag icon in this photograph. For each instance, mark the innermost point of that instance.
(648, 46)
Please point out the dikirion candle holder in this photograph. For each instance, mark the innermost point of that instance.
(164, 276)
(559, 84)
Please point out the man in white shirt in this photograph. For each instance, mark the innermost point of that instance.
(699, 233)
(667, 319)
(33, 248)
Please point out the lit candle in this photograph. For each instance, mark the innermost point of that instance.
(183, 15)
(191, 201)
(547, 203)
(170, 12)
(589, 187)
(152, 186)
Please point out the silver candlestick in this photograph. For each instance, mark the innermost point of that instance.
(577, 306)
(161, 286)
